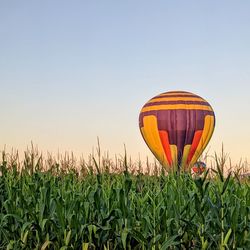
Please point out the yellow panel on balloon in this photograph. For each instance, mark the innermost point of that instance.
(152, 138)
(173, 149)
(185, 155)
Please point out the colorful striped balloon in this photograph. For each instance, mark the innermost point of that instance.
(177, 127)
(199, 167)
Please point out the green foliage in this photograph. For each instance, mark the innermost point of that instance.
(57, 209)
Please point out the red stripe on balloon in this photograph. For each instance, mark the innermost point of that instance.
(196, 140)
(166, 146)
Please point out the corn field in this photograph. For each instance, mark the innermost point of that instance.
(49, 204)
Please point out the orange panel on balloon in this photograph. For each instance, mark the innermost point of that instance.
(195, 143)
(166, 146)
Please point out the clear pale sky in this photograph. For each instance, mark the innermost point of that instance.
(74, 70)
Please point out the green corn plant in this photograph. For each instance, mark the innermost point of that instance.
(57, 206)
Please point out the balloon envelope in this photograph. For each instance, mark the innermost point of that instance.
(177, 127)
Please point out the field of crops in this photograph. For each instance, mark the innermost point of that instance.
(51, 205)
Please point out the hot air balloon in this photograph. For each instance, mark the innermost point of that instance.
(177, 127)
(199, 167)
